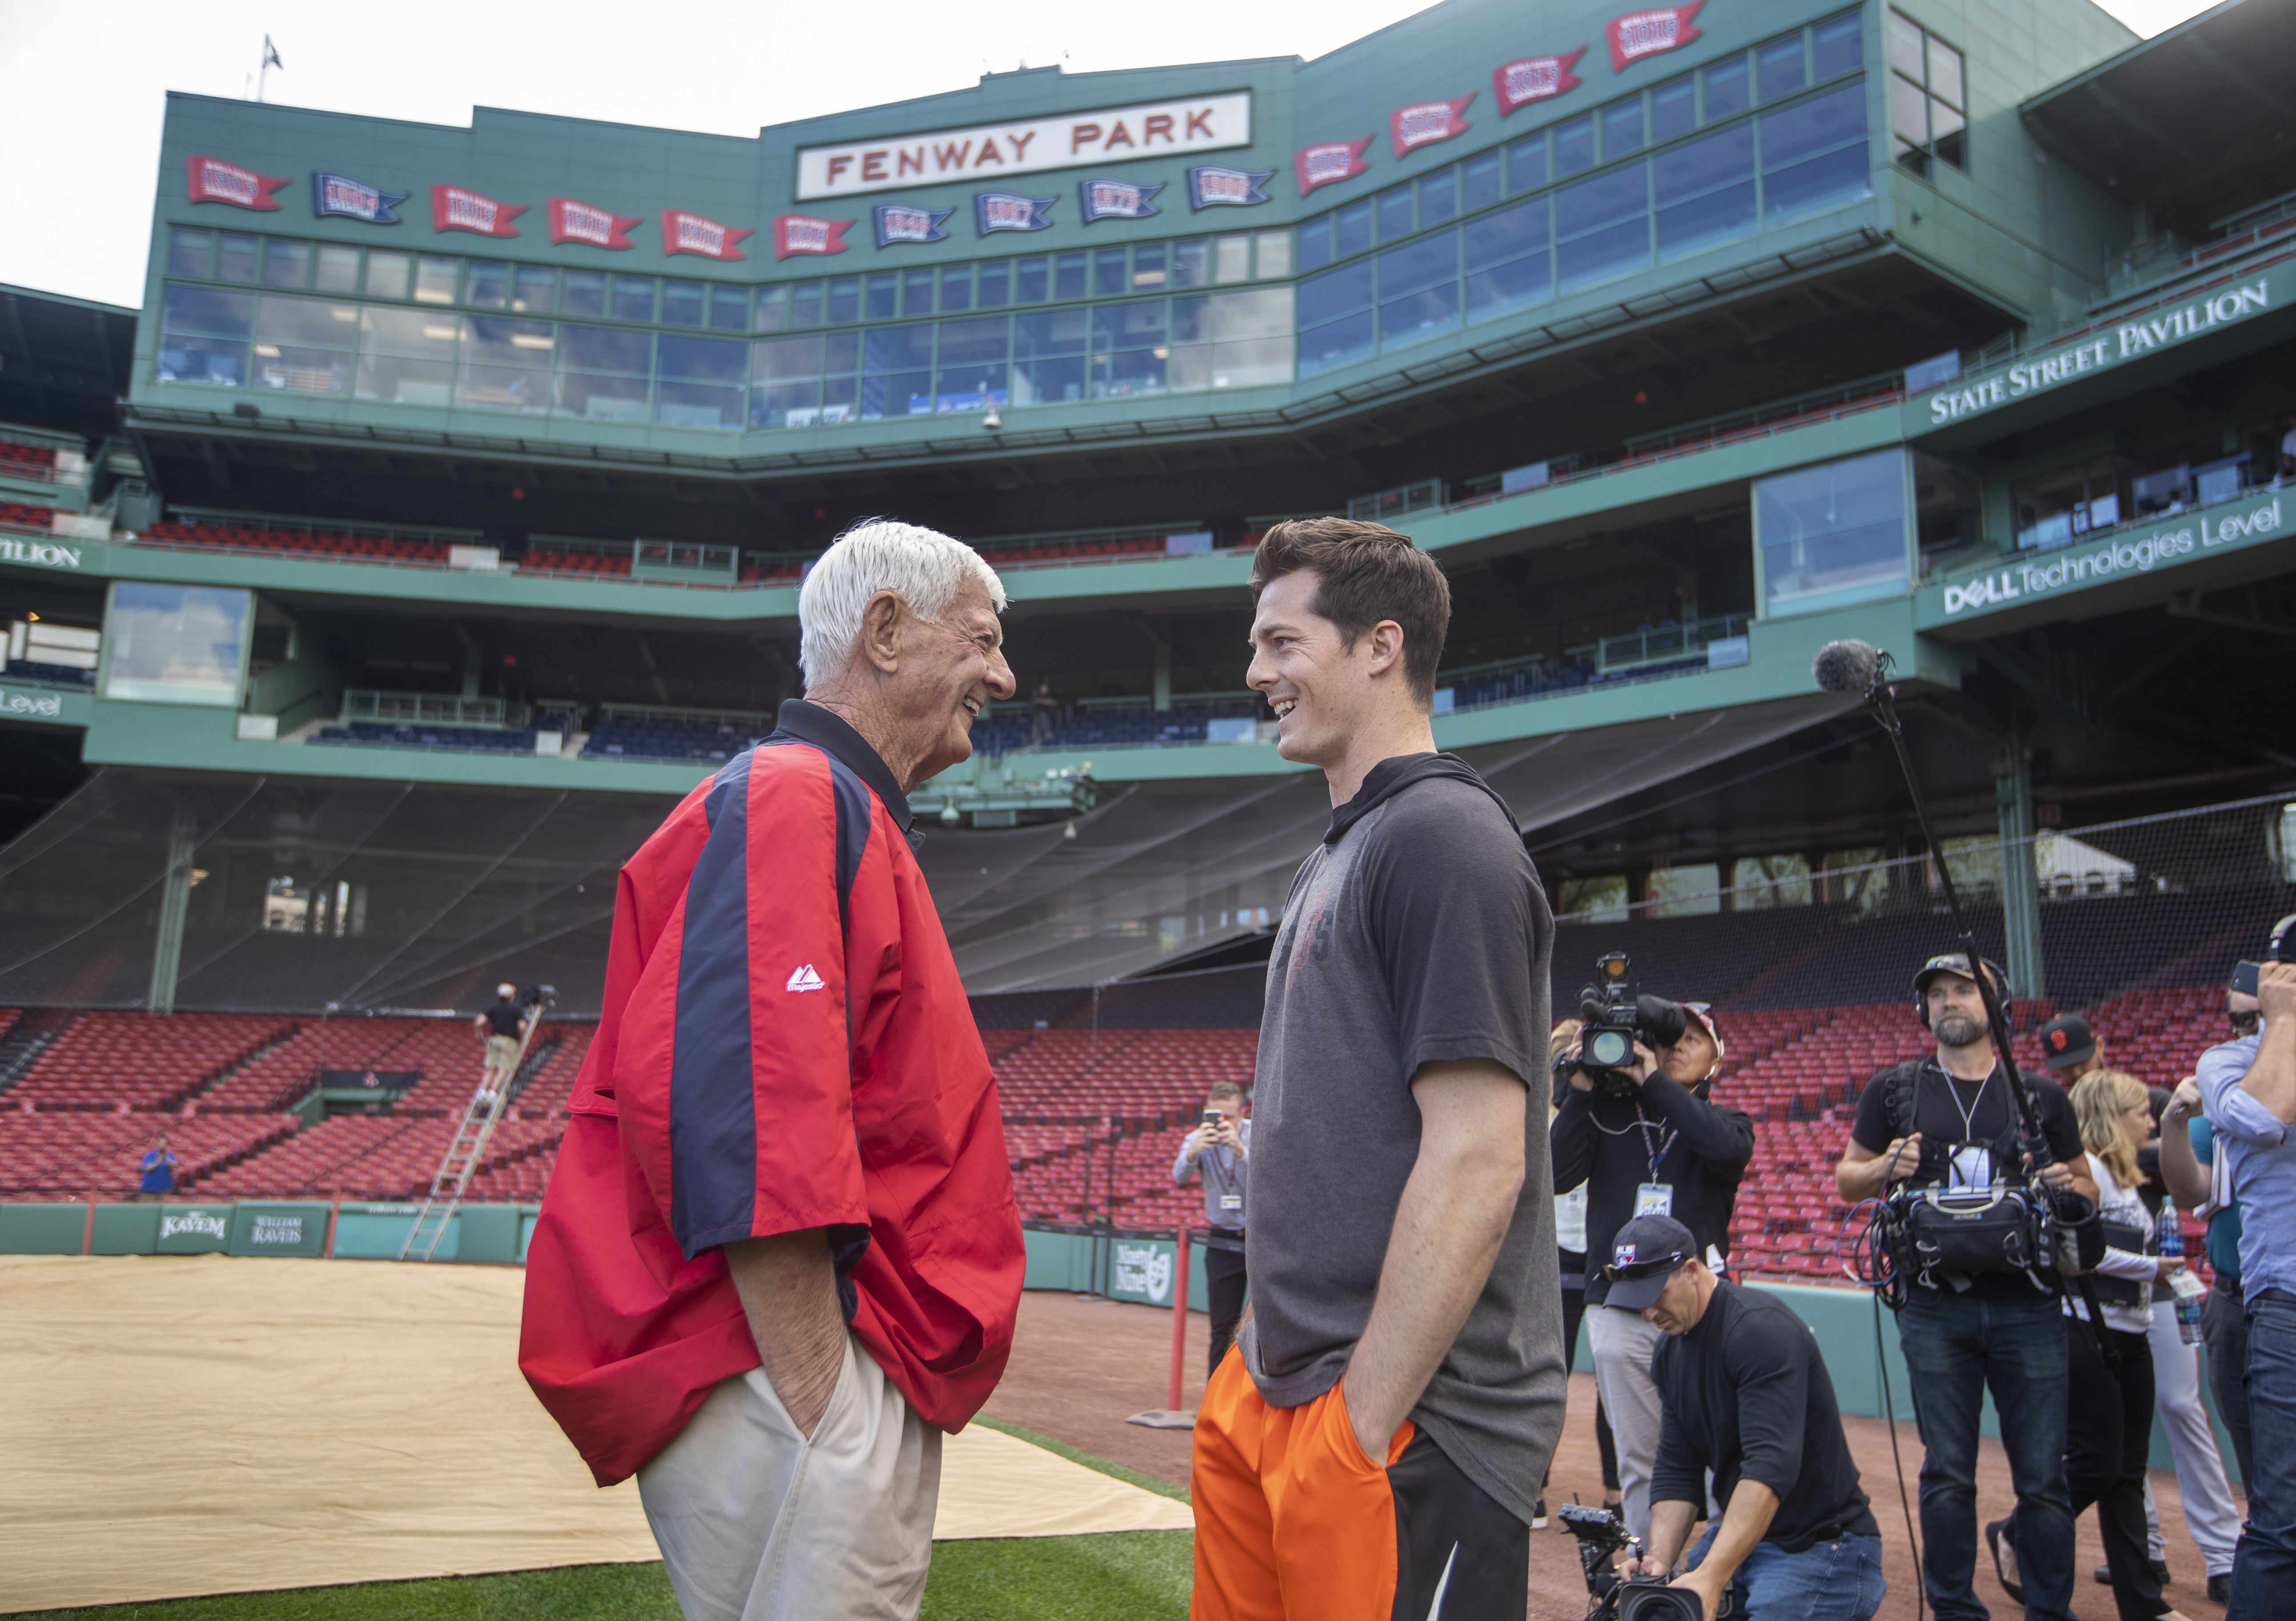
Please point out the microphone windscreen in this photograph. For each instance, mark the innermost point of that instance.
(1846, 666)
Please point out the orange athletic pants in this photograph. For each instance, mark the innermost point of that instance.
(1293, 1522)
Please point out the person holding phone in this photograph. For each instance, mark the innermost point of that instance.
(1220, 1150)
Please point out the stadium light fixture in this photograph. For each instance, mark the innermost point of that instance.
(992, 422)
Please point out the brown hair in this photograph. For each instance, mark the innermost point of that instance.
(1365, 573)
(2100, 1098)
(1224, 1089)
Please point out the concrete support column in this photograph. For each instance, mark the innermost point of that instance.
(2021, 896)
(175, 903)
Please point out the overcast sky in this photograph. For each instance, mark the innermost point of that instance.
(82, 81)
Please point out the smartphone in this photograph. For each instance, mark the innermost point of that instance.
(2244, 978)
(1212, 1118)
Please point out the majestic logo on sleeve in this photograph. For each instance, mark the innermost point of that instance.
(704, 238)
(1010, 212)
(342, 197)
(454, 207)
(1424, 123)
(1210, 186)
(901, 222)
(213, 180)
(804, 233)
(1329, 161)
(804, 980)
(1535, 78)
(1118, 199)
(1650, 33)
(572, 221)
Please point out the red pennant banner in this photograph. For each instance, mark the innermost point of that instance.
(1424, 123)
(1535, 78)
(804, 233)
(1328, 161)
(572, 221)
(454, 207)
(1650, 33)
(213, 180)
(684, 233)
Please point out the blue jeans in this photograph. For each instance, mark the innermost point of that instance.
(1957, 1348)
(2264, 1565)
(1836, 1581)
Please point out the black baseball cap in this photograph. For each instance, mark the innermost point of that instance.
(2066, 1042)
(1647, 1251)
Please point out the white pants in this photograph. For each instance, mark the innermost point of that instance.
(2209, 1514)
(757, 1523)
(1622, 1344)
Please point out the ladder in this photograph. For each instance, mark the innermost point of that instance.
(464, 1155)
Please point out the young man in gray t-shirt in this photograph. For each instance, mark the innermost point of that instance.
(1374, 1446)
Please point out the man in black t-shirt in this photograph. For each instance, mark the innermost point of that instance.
(1950, 1120)
(501, 1028)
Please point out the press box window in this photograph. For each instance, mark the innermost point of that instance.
(2057, 507)
(1928, 109)
(1834, 535)
(176, 644)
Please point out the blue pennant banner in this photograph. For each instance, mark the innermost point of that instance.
(349, 199)
(1009, 211)
(1210, 186)
(901, 222)
(1118, 199)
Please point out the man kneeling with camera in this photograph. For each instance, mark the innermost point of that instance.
(1747, 1396)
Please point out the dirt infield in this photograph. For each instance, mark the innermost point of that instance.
(1079, 1365)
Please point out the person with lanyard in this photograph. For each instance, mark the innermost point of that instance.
(1951, 1120)
(1665, 1150)
(1220, 1150)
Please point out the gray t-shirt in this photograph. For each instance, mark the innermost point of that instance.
(1417, 933)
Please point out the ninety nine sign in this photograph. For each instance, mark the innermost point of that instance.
(2128, 340)
(2209, 532)
(1070, 141)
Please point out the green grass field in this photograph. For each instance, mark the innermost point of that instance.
(1134, 1576)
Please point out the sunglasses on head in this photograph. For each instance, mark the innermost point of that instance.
(1644, 1269)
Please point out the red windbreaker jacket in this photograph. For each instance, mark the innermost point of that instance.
(784, 1044)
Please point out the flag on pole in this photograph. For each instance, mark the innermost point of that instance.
(271, 56)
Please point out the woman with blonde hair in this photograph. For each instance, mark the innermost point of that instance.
(2109, 1415)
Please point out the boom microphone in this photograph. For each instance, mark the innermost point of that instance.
(1848, 667)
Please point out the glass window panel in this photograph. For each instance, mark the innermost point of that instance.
(1148, 265)
(695, 405)
(844, 302)
(1622, 128)
(1909, 118)
(634, 298)
(1272, 254)
(1905, 47)
(1050, 381)
(917, 293)
(210, 313)
(1050, 331)
(1840, 45)
(1591, 247)
(898, 349)
(976, 386)
(1265, 312)
(182, 644)
(601, 397)
(773, 309)
(729, 309)
(1190, 367)
(1122, 374)
(1035, 280)
(1822, 124)
(1698, 167)
(1480, 181)
(1778, 66)
(682, 303)
(1252, 363)
(1395, 214)
(1109, 273)
(1439, 197)
(1727, 90)
(1944, 121)
(435, 278)
(1231, 259)
(1526, 164)
(1191, 319)
(882, 300)
(1335, 343)
(1701, 222)
(1604, 200)
(387, 274)
(416, 334)
(336, 270)
(504, 363)
(1420, 264)
(304, 345)
(841, 397)
(235, 258)
(191, 252)
(1141, 324)
(1945, 73)
(1834, 535)
(534, 291)
(1509, 286)
(795, 404)
(1507, 235)
(1819, 183)
(781, 359)
(1192, 263)
(1674, 107)
(286, 263)
(982, 339)
(1069, 276)
(586, 293)
(701, 359)
(605, 349)
(203, 336)
(486, 285)
(1324, 298)
(1419, 315)
(956, 287)
(840, 353)
(1574, 146)
(996, 284)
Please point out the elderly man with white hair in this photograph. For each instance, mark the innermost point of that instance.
(780, 1255)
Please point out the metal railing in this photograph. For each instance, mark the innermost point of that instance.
(368, 703)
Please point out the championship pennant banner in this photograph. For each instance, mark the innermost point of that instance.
(1118, 199)
(339, 196)
(1330, 161)
(1424, 123)
(1213, 187)
(1535, 78)
(454, 207)
(213, 180)
(572, 221)
(901, 222)
(704, 238)
(796, 233)
(1650, 33)
(995, 211)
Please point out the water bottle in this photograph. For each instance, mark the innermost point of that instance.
(2186, 1287)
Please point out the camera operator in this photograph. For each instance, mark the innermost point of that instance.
(2248, 1087)
(1949, 1120)
(1647, 1142)
(1747, 1396)
(1219, 1149)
